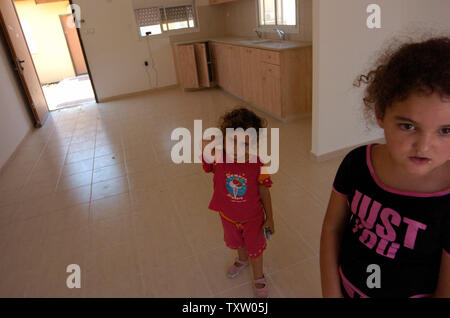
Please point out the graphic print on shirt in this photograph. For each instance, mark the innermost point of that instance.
(378, 227)
(236, 186)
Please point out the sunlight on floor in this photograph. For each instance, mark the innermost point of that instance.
(69, 92)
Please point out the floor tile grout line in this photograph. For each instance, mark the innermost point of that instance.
(35, 165)
(190, 242)
(304, 241)
(31, 173)
(65, 158)
(192, 249)
(191, 246)
(292, 265)
(138, 257)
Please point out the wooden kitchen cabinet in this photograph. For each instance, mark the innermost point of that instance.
(201, 59)
(192, 65)
(187, 66)
(250, 75)
(220, 59)
(277, 82)
(234, 75)
(227, 67)
(271, 89)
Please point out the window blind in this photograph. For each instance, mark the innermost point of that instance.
(147, 16)
(176, 14)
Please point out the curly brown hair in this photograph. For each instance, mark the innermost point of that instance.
(421, 67)
(241, 117)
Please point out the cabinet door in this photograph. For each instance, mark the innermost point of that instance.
(225, 63)
(187, 66)
(202, 64)
(222, 65)
(271, 90)
(251, 79)
(218, 66)
(234, 73)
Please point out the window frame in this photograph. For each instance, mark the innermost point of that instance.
(286, 28)
(167, 33)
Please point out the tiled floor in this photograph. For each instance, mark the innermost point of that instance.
(96, 187)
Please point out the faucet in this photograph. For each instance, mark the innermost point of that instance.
(281, 33)
(259, 33)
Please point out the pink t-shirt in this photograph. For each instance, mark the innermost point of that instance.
(236, 192)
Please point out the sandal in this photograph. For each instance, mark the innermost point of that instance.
(261, 292)
(234, 270)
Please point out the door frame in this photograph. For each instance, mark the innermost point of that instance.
(23, 91)
(86, 60)
(23, 86)
(38, 123)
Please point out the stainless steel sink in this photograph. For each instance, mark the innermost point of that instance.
(257, 41)
(269, 42)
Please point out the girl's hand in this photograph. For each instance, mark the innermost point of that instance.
(207, 142)
(269, 223)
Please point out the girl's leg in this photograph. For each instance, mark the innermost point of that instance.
(257, 266)
(242, 255)
(240, 263)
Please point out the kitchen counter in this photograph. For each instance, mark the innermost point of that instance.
(272, 75)
(266, 44)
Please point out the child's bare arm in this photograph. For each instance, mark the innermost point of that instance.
(267, 204)
(443, 287)
(332, 231)
(207, 167)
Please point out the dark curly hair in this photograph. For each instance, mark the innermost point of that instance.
(421, 67)
(241, 117)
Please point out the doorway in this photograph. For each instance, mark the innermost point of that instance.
(57, 52)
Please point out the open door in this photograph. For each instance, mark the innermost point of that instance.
(74, 45)
(12, 29)
(201, 58)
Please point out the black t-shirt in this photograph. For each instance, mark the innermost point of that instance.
(403, 233)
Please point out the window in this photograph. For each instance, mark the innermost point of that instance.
(158, 20)
(277, 12)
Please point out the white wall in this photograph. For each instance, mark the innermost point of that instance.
(51, 56)
(15, 122)
(343, 47)
(116, 54)
(241, 18)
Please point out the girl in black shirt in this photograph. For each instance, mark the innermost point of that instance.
(386, 232)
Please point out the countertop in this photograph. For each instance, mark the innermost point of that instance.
(274, 45)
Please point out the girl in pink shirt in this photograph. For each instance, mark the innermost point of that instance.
(242, 198)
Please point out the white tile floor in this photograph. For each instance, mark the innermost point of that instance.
(96, 187)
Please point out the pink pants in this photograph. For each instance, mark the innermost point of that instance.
(249, 235)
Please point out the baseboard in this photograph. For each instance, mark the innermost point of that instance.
(135, 94)
(344, 151)
(286, 119)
